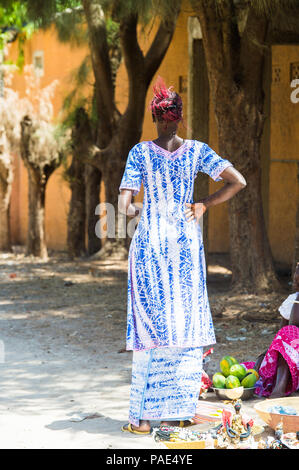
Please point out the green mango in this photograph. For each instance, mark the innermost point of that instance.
(226, 363)
(249, 380)
(232, 382)
(218, 380)
(238, 370)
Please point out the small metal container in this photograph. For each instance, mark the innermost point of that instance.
(234, 393)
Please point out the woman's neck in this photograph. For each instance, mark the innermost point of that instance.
(169, 142)
(166, 137)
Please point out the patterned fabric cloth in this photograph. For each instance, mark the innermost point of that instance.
(167, 301)
(286, 342)
(165, 384)
(286, 307)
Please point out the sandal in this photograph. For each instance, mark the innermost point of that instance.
(182, 424)
(186, 423)
(128, 428)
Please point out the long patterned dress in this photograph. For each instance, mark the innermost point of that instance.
(168, 313)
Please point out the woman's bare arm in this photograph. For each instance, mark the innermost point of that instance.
(259, 360)
(125, 205)
(234, 182)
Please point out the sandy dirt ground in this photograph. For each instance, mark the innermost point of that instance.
(65, 374)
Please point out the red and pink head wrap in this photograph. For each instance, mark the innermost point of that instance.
(166, 103)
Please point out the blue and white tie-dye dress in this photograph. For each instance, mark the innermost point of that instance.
(168, 313)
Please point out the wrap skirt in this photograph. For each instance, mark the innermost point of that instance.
(165, 384)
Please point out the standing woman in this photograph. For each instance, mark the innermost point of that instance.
(169, 319)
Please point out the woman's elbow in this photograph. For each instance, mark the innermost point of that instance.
(242, 183)
(234, 178)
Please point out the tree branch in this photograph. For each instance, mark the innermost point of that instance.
(231, 38)
(133, 56)
(253, 48)
(95, 156)
(284, 27)
(211, 32)
(102, 70)
(132, 119)
(160, 45)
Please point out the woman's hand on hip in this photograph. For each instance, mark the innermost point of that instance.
(195, 211)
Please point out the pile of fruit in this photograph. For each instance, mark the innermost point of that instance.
(234, 375)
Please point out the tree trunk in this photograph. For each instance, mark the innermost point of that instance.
(81, 138)
(239, 140)
(93, 177)
(6, 176)
(76, 214)
(235, 53)
(40, 164)
(36, 243)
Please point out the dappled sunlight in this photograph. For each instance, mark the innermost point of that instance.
(41, 384)
(66, 370)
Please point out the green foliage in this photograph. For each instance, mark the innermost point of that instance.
(146, 10)
(69, 27)
(71, 103)
(43, 12)
(77, 97)
(112, 32)
(13, 14)
(15, 25)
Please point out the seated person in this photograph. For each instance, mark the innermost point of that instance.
(278, 367)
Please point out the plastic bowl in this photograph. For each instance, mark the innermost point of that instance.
(234, 393)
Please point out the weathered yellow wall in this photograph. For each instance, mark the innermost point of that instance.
(284, 146)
